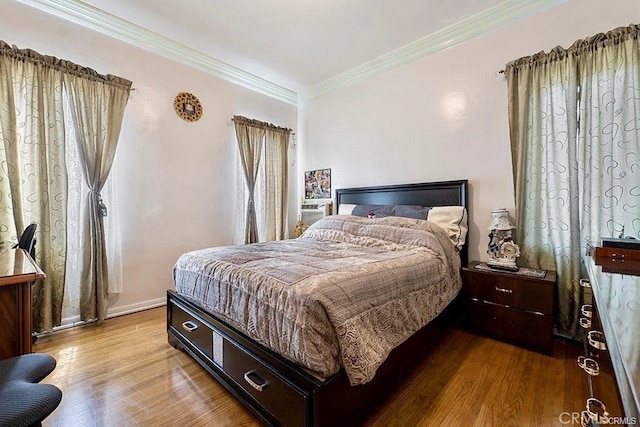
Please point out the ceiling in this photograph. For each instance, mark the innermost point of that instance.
(286, 47)
(294, 43)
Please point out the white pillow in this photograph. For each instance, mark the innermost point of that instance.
(453, 219)
(345, 209)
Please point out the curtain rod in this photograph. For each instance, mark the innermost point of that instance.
(261, 123)
(230, 123)
(615, 36)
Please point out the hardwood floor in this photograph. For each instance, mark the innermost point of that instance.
(124, 373)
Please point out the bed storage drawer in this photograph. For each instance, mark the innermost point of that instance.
(193, 329)
(280, 398)
(266, 384)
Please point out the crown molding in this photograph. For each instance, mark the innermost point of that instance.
(472, 26)
(103, 22)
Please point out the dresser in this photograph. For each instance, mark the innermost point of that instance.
(514, 307)
(610, 317)
(17, 272)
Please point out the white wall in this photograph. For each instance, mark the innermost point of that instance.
(445, 116)
(176, 179)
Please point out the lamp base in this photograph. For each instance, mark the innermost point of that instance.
(503, 266)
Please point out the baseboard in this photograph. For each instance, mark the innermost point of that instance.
(132, 308)
(72, 321)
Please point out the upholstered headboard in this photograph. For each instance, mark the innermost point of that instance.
(444, 193)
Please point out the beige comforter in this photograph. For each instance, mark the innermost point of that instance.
(344, 294)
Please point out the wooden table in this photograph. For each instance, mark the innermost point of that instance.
(17, 272)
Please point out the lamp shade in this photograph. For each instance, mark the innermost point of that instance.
(500, 220)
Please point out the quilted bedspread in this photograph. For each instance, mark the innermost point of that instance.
(345, 293)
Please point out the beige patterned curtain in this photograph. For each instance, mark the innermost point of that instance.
(609, 159)
(33, 175)
(33, 179)
(250, 136)
(97, 109)
(276, 182)
(574, 117)
(543, 123)
(266, 182)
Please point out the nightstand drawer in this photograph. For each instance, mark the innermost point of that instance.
(522, 327)
(510, 290)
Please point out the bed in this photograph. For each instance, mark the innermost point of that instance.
(348, 351)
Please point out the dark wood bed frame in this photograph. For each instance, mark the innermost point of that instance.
(280, 392)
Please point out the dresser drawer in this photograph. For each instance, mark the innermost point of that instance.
(504, 289)
(603, 385)
(522, 327)
(281, 399)
(192, 328)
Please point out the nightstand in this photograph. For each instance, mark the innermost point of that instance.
(512, 306)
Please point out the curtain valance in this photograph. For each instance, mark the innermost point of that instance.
(579, 47)
(29, 55)
(240, 120)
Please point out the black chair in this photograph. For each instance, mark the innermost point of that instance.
(28, 240)
(23, 401)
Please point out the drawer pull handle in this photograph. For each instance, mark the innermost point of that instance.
(189, 326)
(247, 378)
(585, 283)
(589, 365)
(585, 323)
(504, 291)
(593, 405)
(586, 310)
(596, 340)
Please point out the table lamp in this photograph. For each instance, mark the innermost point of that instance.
(502, 250)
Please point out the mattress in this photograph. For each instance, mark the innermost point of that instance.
(344, 294)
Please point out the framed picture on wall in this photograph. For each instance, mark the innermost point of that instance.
(317, 184)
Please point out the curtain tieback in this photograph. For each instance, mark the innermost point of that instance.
(102, 208)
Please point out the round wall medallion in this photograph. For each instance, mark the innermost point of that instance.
(188, 106)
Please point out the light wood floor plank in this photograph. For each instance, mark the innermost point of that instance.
(124, 373)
